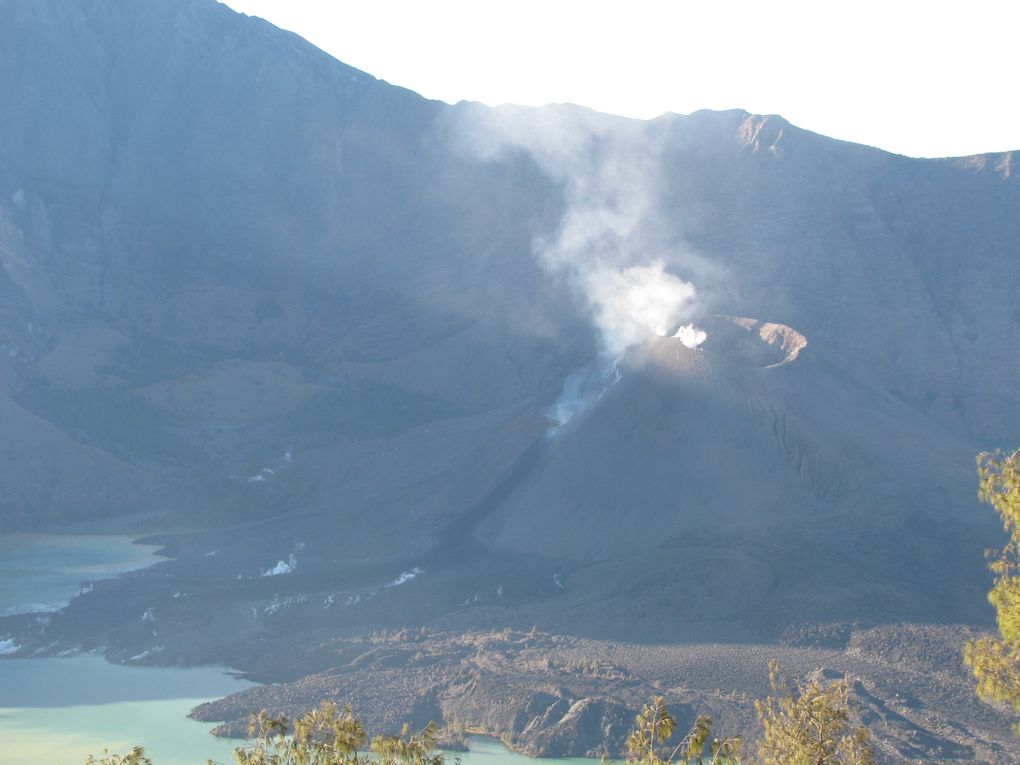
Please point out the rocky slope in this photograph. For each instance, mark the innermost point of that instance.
(312, 331)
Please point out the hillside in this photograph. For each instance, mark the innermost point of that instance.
(288, 317)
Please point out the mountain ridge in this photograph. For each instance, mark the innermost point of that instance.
(258, 303)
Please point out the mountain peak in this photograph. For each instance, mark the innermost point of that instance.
(762, 132)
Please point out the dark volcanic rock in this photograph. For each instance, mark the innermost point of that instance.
(276, 311)
(554, 695)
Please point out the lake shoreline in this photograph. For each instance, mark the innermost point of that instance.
(61, 708)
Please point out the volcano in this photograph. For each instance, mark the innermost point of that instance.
(273, 313)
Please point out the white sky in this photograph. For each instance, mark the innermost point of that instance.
(923, 78)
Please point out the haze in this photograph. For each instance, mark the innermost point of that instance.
(921, 79)
(508, 418)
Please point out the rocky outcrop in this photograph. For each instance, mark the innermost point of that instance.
(557, 696)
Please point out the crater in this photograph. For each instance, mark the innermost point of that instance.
(746, 342)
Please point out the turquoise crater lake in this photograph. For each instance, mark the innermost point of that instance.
(55, 711)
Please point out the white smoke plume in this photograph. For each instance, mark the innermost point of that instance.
(634, 304)
(582, 390)
(611, 245)
(691, 336)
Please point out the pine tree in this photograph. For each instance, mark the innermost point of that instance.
(331, 736)
(135, 757)
(814, 725)
(995, 659)
(654, 727)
